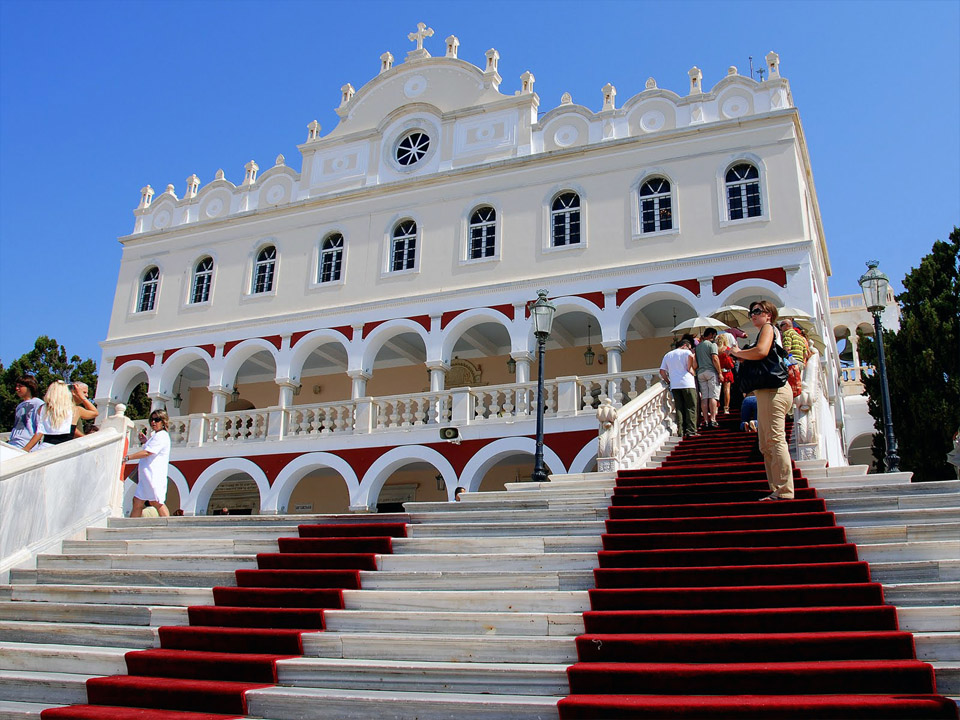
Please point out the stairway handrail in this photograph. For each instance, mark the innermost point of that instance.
(630, 435)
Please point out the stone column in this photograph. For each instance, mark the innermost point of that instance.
(614, 352)
(359, 378)
(287, 388)
(158, 401)
(522, 399)
(438, 375)
(854, 341)
(219, 396)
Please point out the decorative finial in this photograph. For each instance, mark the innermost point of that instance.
(251, 175)
(696, 80)
(526, 83)
(609, 96)
(651, 84)
(193, 185)
(313, 131)
(566, 99)
(386, 61)
(348, 92)
(219, 175)
(453, 42)
(493, 59)
(280, 159)
(170, 190)
(732, 70)
(146, 196)
(773, 65)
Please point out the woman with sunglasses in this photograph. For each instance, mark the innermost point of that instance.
(772, 405)
(154, 458)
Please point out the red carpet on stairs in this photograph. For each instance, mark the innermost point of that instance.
(202, 671)
(709, 604)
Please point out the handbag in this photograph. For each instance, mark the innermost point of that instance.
(767, 374)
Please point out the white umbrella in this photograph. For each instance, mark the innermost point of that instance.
(792, 312)
(698, 324)
(732, 315)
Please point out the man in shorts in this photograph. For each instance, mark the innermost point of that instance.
(708, 376)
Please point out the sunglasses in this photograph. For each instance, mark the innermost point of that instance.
(153, 420)
(756, 311)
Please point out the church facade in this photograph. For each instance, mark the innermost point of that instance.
(309, 331)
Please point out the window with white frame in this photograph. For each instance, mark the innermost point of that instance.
(483, 233)
(331, 258)
(656, 211)
(565, 219)
(202, 278)
(743, 192)
(148, 290)
(403, 246)
(264, 270)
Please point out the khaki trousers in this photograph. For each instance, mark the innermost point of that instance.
(772, 408)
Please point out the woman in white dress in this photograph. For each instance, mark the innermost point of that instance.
(152, 474)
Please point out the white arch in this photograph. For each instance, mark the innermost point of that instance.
(239, 354)
(294, 471)
(122, 383)
(215, 474)
(766, 287)
(463, 322)
(382, 333)
(489, 455)
(175, 364)
(650, 294)
(584, 458)
(310, 342)
(392, 460)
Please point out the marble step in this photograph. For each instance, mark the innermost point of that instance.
(12, 710)
(948, 679)
(283, 703)
(925, 516)
(893, 502)
(520, 528)
(464, 622)
(935, 619)
(510, 601)
(513, 562)
(942, 487)
(115, 595)
(875, 534)
(93, 613)
(931, 594)
(63, 658)
(906, 552)
(492, 579)
(939, 646)
(145, 562)
(125, 577)
(915, 571)
(441, 648)
(91, 634)
(43, 687)
(502, 513)
(231, 522)
(511, 678)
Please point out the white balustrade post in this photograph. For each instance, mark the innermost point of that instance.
(568, 396)
(359, 383)
(614, 352)
(363, 418)
(124, 426)
(524, 360)
(195, 432)
(462, 406)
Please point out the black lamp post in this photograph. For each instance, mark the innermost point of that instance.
(874, 285)
(541, 312)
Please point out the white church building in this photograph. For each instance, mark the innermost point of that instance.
(311, 329)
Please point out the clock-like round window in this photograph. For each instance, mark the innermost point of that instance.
(412, 148)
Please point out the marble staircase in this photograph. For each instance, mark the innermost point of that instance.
(473, 616)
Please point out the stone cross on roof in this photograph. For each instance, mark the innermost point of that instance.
(422, 32)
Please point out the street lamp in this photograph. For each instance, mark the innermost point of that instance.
(541, 312)
(874, 285)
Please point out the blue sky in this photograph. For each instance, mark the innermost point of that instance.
(98, 99)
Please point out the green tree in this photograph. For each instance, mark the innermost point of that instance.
(48, 361)
(923, 366)
(138, 405)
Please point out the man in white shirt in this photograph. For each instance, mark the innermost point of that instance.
(677, 371)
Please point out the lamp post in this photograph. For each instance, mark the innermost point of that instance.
(541, 312)
(874, 285)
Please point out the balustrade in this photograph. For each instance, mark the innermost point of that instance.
(856, 373)
(237, 426)
(322, 419)
(407, 411)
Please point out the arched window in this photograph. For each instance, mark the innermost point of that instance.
(202, 277)
(656, 213)
(148, 290)
(743, 192)
(483, 233)
(331, 258)
(264, 270)
(403, 248)
(565, 218)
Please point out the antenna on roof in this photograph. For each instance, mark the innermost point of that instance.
(759, 72)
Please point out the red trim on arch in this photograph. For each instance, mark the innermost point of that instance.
(274, 340)
(191, 469)
(295, 338)
(147, 357)
(506, 309)
(691, 285)
(595, 297)
(422, 320)
(209, 349)
(774, 275)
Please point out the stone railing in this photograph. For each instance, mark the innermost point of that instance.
(856, 373)
(630, 435)
(563, 397)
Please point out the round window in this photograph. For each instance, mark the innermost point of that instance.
(412, 148)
